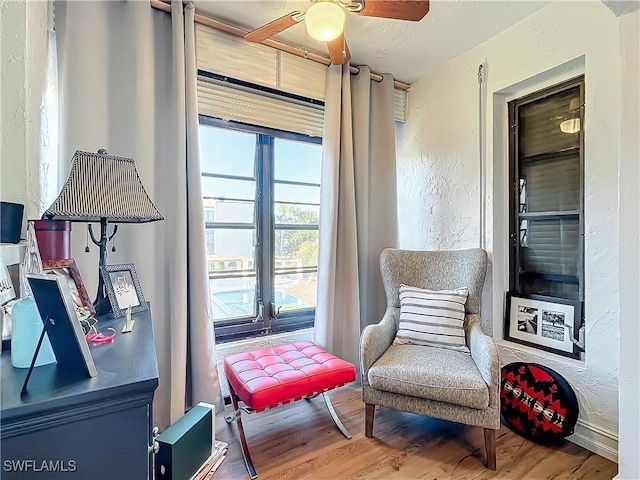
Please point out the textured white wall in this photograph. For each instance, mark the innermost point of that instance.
(23, 56)
(37, 134)
(13, 165)
(439, 173)
(629, 280)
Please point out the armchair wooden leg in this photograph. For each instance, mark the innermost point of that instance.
(369, 413)
(490, 446)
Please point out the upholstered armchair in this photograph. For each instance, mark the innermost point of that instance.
(431, 381)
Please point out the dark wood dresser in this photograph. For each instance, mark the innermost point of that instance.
(95, 428)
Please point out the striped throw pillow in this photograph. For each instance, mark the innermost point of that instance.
(432, 318)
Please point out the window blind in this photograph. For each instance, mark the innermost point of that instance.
(230, 56)
(540, 124)
(400, 98)
(552, 247)
(552, 185)
(251, 106)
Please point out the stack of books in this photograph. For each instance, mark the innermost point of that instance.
(209, 467)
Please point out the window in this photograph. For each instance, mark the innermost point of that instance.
(209, 237)
(546, 211)
(261, 191)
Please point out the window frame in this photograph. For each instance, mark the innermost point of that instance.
(514, 187)
(266, 321)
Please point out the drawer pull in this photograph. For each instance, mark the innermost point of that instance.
(155, 448)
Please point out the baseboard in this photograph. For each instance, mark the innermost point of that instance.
(595, 440)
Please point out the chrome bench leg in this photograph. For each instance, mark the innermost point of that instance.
(243, 441)
(334, 415)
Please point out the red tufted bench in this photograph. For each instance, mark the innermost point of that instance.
(270, 377)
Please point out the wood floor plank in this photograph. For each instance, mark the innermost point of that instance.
(300, 441)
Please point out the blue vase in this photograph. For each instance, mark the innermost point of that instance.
(26, 330)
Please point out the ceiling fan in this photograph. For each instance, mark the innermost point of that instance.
(325, 21)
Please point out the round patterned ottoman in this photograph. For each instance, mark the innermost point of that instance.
(537, 402)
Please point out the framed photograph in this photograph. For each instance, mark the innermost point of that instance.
(68, 269)
(539, 322)
(123, 288)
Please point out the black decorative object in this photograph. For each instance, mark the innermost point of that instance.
(537, 402)
(10, 222)
(123, 288)
(107, 189)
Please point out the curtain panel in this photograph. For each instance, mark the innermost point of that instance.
(358, 210)
(127, 83)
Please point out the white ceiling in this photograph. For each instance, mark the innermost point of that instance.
(408, 50)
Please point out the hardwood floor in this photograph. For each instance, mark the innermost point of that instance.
(300, 441)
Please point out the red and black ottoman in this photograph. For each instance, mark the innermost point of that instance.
(270, 377)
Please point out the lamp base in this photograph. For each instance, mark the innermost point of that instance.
(101, 303)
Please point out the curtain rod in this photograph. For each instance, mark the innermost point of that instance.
(238, 32)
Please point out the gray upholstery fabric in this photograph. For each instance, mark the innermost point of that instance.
(437, 271)
(375, 340)
(444, 270)
(484, 353)
(486, 418)
(426, 372)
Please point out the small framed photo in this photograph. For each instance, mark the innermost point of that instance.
(123, 288)
(539, 321)
(68, 269)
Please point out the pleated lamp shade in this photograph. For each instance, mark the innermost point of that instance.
(103, 186)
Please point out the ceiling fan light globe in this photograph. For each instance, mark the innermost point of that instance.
(325, 21)
(570, 126)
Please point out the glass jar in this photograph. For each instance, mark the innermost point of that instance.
(26, 330)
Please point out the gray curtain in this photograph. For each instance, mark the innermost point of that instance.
(127, 80)
(358, 211)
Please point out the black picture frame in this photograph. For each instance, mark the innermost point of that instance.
(123, 288)
(58, 314)
(538, 321)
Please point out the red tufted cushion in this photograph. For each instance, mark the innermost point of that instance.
(272, 376)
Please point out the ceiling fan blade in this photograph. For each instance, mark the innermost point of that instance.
(339, 50)
(396, 9)
(273, 28)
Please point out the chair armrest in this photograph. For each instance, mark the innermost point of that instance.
(485, 355)
(375, 340)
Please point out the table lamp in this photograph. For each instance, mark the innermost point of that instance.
(107, 189)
